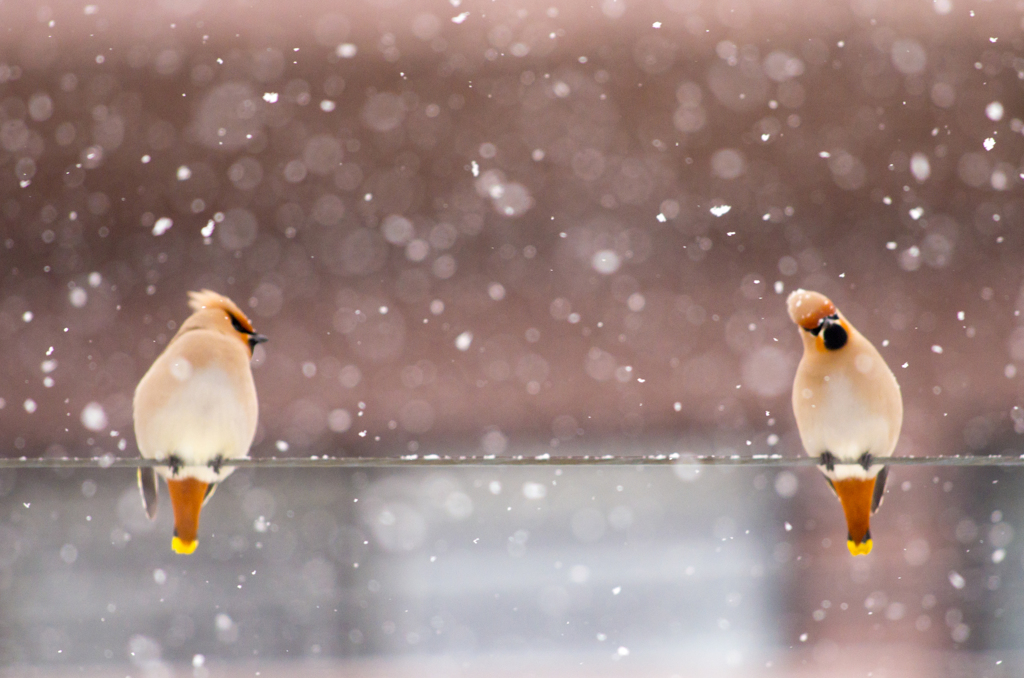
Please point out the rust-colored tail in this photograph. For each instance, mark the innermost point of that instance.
(856, 496)
(186, 500)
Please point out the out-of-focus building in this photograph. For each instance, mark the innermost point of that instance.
(503, 228)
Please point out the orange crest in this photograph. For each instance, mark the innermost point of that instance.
(197, 301)
(807, 309)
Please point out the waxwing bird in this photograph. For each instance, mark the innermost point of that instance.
(195, 408)
(848, 409)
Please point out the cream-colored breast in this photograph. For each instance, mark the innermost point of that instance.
(848, 407)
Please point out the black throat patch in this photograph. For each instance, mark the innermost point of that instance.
(835, 336)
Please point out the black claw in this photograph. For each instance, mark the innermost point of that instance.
(866, 460)
(217, 462)
(828, 460)
(175, 463)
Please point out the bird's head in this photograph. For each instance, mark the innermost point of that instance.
(217, 312)
(823, 326)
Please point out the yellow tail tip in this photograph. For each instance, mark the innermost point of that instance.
(187, 547)
(861, 549)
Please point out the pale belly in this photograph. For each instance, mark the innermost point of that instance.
(845, 425)
(206, 418)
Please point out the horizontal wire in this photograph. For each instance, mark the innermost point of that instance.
(432, 460)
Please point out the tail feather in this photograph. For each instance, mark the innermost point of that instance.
(856, 495)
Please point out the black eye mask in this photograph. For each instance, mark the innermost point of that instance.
(817, 330)
(253, 337)
(835, 336)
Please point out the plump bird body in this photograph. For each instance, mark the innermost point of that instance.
(202, 403)
(848, 408)
(848, 404)
(196, 407)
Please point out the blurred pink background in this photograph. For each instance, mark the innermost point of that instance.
(490, 228)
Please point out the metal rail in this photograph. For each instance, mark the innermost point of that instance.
(434, 460)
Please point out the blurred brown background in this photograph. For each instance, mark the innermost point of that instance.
(541, 178)
(516, 227)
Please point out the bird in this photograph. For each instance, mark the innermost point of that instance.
(848, 409)
(196, 408)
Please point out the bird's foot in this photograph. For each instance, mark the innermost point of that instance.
(175, 463)
(217, 462)
(828, 460)
(866, 460)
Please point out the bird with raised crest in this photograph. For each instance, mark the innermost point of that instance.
(848, 409)
(196, 408)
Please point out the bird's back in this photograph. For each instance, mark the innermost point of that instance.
(197, 401)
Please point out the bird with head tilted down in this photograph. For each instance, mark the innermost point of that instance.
(848, 409)
(196, 408)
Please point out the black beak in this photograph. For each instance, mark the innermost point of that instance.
(255, 339)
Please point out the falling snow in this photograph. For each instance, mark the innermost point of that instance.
(601, 209)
